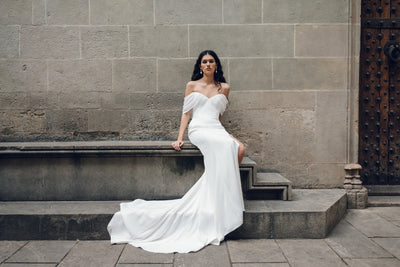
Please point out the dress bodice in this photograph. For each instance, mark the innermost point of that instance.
(205, 108)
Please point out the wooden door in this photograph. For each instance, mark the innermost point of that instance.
(379, 92)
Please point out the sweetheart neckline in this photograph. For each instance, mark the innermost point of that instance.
(207, 96)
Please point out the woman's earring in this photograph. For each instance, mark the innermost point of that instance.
(216, 71)
(201, 72)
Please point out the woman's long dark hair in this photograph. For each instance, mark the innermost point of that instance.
(218, 77)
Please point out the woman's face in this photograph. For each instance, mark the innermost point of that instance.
(208, 64)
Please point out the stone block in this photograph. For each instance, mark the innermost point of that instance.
(260, 120)
(15, 12)
(242, 40)
(321, 40)
(296, 173)
(65, 121)
(331, 133)
(9, 45)
(305, 11)
(188, 12)
(300, 120)
(162, 101)
(23, 76)
(208, 256)
(80, 75)
(132, 254)
(242, 11)
(49, 42)
(392, 245)
(382, 262)
(104, 42)
(93, 253)
(8, 248)
(156, 121)
(271, 100)
(42, 100)
(115, 101)
(159, 41)
(31, 121)
(72, 12)
(326, 175)
(42, 251)
(250, 74)
(78, 100)
(38, 12)
(110, 120)
(290, 147)
(302, 73)
(122, 12)
(173, 75)
(134, 75)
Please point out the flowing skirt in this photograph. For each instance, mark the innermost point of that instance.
(212, 208)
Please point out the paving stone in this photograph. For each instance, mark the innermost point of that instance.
(144, 265)
(7, 248)
(385, 262)
(262, 250)
(389, 213)
(371, 224)
(121, 12)
(348, 242)
(42, 251)
(392, 245)
(29, 265)
(93, 253)
(133, 254)
(208, 256)
(61, 12)
(261, 264)
(309, 252)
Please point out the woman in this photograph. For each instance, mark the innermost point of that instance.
(213, 207)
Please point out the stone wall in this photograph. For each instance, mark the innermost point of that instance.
(116, 70)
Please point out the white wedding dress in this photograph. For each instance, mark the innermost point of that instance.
(212, 208)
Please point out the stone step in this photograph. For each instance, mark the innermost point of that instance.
(312, 213)
(270, 185)
(384, 201)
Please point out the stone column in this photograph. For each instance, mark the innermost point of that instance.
(357, 195)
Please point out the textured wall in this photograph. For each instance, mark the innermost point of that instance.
(110, 70)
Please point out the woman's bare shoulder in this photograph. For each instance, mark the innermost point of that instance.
(225, 88)
(190, 87)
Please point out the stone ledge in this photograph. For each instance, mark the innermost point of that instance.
(134, 148)
(313, 213)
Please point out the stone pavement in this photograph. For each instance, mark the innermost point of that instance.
(369, 237)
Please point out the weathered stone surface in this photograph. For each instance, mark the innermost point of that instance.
(8, 248)
(42, 251)
(208, 256)
(60, 12)
(93, 253)
(134, 75)
(302, 73)
(30, 265)
(188, 12)
(326, 175)
(49, 42)
(80, 75)
(261, 250)
(242, 11)
(16, 12)
(173, 75)
(332, 41)
(122, 12)
(271, 100)
(392, 245)
(348, 242)
(137, 255)
(38, 12)
(159, 41)
(9, 45)
(264, 264)
(305, 11)
(330, 133)
(86, 100)
(385, 262)
(297, 173)
(104, 42)
(23, 75)
(260, 120)
(23, 121)
(64, 121)
(309, 253)
(116, 101)
(110, 120)
(242, 40)
(250, 74)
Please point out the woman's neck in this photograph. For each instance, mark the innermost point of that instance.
(208, 79)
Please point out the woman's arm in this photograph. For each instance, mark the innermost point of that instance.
(184, 121)
(225, 90)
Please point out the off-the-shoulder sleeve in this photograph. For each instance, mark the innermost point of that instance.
(189, 102)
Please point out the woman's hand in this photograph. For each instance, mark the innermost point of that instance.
(177, 145)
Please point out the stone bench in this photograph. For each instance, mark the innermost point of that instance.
(263, 183)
